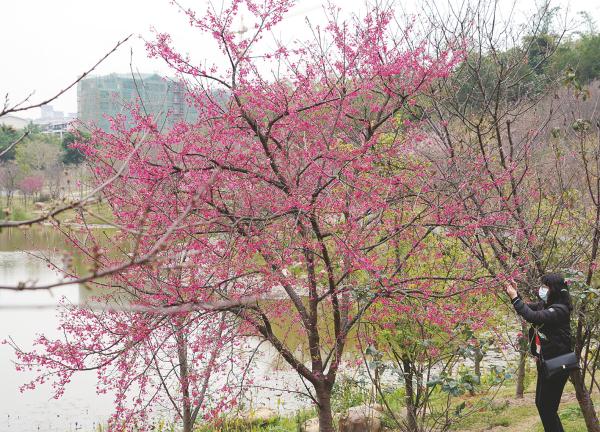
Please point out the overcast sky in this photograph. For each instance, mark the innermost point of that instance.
(47, 44)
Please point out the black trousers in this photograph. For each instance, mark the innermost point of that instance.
(547, 398)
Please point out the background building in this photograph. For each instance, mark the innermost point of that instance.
(14, 121)
(54, 122)
(51, 121)
(101, 96)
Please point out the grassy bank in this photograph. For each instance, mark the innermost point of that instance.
(507, 413)
(98, 213)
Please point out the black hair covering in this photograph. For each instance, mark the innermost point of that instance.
(559, 290)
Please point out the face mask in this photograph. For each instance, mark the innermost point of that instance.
(543, 293)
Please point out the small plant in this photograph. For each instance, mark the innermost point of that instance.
(571, 413)
(496, 375)
(498, 408)
(466, 381)
(348, 392)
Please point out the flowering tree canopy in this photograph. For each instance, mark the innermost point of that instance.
(32, 184)
(291, 206)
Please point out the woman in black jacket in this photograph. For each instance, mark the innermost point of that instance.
(550, 317)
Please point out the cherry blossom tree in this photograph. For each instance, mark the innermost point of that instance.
(292, 206)
(154, 365)
(494, 160)
(31, 185)
(574, 138)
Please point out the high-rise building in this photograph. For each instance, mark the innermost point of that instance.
(99, 97)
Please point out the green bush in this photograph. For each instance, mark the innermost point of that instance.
(19, 214)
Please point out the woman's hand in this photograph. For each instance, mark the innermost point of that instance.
(510, 290)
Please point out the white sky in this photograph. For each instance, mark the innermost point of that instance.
(46, 44)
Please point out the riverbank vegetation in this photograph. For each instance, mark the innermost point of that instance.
(502, 413)
(41, 167)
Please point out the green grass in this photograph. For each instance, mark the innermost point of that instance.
(496, 414)
(278, 424)
(16, 213)
(19, 211)
(571, 418)
(522, 416)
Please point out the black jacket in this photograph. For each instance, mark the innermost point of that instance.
(553, 323)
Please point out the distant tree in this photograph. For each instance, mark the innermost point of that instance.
(37, 153)
(582, 56)
(522, 66)
(541, 43)
(31, 185)
(8, 135)
(33, 128)
(539, 49)
(9, 175)
(70, 155)
(55, 177)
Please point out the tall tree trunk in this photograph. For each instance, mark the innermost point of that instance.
(409, 397)
(185, 385)
(523, 352)
(325, 416)
(521, 375)
(585, 402)
(478, 359)
(578, 376)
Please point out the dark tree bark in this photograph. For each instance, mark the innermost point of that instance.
(409, 398)
(323, 393)
(523, 352)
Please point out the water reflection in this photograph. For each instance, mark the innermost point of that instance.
(80, 408)
(35, 238)
(24, 266)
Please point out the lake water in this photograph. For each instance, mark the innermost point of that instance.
(80, 408)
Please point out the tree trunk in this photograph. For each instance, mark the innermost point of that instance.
(521, 374)
(578, 379)
(325, 415)
(185, 385)
(409, 397)
(478, 359)
(585, 402)
(523, 351)
(581, 337)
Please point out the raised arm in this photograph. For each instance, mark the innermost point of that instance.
(534, 312)
(536, 306)
(553, 315)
